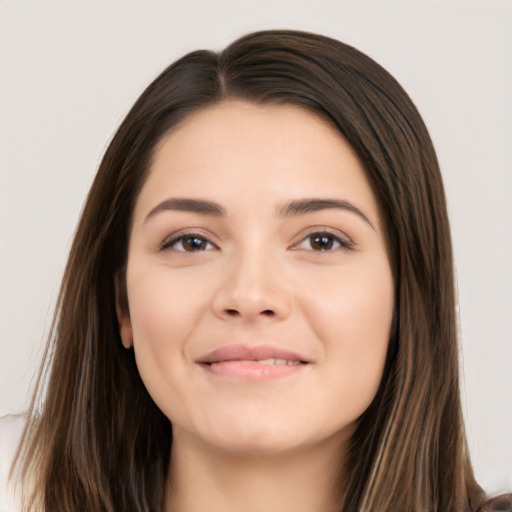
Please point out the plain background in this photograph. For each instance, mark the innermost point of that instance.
(69, 71)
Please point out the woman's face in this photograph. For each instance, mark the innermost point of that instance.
(260, 293)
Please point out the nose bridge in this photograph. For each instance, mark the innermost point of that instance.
(253, 285)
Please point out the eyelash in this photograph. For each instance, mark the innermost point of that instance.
(172, 242)
(343, 243)
(332, 239)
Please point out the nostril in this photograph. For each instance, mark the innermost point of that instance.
(236, 313)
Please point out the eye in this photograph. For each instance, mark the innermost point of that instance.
(190, 242)
(324, 241)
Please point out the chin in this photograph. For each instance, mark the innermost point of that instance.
(260, 436)
(255, 442)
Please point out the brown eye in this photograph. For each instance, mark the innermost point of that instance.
(188, 243)
(324, 242)
(321, 242)
(194, 243)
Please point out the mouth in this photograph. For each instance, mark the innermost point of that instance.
(256, 363)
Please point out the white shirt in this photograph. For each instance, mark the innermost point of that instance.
(11, 428)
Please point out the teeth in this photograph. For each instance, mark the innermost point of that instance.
(282, 362)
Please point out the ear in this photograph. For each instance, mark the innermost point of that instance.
(122, 310)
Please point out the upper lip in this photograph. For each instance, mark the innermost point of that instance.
(238, 352)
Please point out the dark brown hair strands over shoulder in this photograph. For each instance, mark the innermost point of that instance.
(99, 443)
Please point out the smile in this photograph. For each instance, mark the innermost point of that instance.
(264, 362)
(274, 361)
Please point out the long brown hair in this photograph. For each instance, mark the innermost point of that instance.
(95, 440)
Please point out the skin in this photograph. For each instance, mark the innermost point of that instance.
(256, 276)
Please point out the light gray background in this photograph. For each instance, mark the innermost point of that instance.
(70, 70)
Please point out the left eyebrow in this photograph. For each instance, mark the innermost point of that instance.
(303, 206)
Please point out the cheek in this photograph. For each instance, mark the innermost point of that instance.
(163, 315)
(352, 318)
(162, 310)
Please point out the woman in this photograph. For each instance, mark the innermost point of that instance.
(258, 311)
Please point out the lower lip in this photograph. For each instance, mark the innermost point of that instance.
(252, 371)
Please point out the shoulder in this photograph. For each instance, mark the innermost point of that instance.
(11, 429)
(502, 503)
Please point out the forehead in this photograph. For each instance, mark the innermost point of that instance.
(276, 126)
(235, 151)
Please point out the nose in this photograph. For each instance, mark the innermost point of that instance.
(253, 288)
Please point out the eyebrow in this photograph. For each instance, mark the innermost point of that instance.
(290, 209)
(303, 206)
(188, 205)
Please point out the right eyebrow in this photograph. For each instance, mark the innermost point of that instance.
(188, 205)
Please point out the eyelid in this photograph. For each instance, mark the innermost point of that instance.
(343, 239)
(339, 236)
(175, 237)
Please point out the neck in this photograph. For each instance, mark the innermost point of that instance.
(202, 478)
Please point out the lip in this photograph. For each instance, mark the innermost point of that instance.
(238, 352)
(241, 362)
